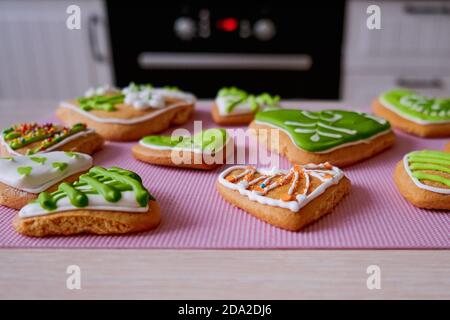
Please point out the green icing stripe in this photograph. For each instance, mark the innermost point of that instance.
(109, 183)
(427, 160)
(77, 198)
(430, 160)
(102, 102)
(433, 154)
(126, 173)
(431, 177)
(324, 130)
(412, 105)
(142, 195)
(46, 201)
(108, 192)
(208, 140)
(428, 166)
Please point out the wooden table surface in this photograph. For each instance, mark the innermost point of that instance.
(224, 274)
(215, 274)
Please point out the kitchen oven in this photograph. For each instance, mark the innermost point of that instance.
(291, 50)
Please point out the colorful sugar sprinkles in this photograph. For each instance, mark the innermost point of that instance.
(426, 165)
(256, 184)
(112, 189)
(47, 136)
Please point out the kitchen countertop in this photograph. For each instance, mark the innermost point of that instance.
(215, 274)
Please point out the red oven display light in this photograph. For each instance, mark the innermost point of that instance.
(227, 24)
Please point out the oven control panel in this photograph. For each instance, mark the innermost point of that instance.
(202, 26)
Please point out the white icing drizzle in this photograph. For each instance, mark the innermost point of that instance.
(318, 133)
(319, 171)
(347, 131)
(42, 176)
(310, 115)
(294, 183)
(299, 130)
(316, 137)
(328, 134)
(51, 148)
(417, 181)
(417, 108)
(127, 203)
(299, 124)
(374, 118)
(98, 91)
(334, 116)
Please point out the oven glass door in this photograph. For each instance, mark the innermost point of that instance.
(293, 51)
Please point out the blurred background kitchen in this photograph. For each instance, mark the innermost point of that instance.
(310, 52)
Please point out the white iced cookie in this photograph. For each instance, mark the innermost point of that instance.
(35, 174)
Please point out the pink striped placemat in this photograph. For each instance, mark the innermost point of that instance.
(374, 215)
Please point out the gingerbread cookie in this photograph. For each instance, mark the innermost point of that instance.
(32, 138)
(423, 178)
(130, 114)
(205, 150)
(337, 136)
(286, 199)
(234, 106)
(22, 178)
(414, 113)
(103, 201)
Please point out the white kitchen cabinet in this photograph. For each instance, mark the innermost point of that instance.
(40, 58)
(412, 49)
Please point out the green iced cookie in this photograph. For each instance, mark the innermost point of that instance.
(207, 140)
(324, 130)
(415, 107)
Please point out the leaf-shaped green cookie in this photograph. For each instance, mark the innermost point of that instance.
(323, 130)
(417, 108)
(207, 140)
